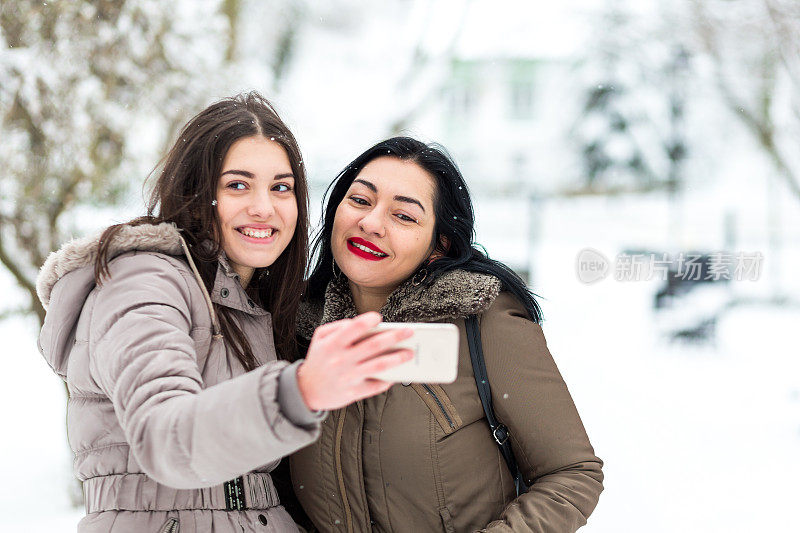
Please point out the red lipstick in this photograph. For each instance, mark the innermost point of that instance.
(357, 246)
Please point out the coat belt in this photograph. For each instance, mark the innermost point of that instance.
(138, 492)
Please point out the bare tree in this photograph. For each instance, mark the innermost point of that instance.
(754, 49)
(78, 80)
(80, 84)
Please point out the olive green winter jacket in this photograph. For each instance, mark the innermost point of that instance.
(421, 457)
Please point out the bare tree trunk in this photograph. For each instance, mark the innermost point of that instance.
(231, 9)
(22, 280)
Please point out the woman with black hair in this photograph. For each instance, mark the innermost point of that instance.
(397, 238)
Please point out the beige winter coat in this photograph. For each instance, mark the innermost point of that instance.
(161, 413)
(421, 457)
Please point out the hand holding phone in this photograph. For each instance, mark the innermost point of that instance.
(339, 364)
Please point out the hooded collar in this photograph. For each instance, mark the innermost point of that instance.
(69, 274)
(79, 253)
(163, 238)
(453, 294)
(75, 261)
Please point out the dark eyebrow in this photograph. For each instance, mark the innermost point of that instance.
(243, 173)
(371, 186)
(249, 175)
(410, 201)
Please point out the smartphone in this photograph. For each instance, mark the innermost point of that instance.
(435, 348)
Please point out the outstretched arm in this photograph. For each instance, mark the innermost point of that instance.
(143, 357)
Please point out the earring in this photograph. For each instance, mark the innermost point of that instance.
(263, 274)
(213, 202)
(419, 277)
(336, 275)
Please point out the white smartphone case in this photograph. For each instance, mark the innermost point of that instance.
(435, 348)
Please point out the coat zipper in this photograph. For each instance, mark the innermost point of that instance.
(348, 517)
(439, 403)
(367, 520)
(171, 526)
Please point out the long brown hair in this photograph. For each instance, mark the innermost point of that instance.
(183, 193)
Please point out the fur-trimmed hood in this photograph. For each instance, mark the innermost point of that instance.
(78, 253)
(454, 294)
(70, 271)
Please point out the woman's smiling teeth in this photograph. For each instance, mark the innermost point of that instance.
(365, 249)
(256, 233)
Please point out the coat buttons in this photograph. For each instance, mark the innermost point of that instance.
(251, 303)
(224, 292)
(262, 519)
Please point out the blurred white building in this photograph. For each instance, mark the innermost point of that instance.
(503, 120)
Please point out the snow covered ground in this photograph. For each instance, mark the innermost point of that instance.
(695, 438)
(35, 461)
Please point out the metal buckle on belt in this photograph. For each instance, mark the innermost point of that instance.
(500, 434)
(234, 494)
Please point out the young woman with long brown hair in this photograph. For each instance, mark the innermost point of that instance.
(175, 335)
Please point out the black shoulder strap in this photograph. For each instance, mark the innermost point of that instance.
(500, 432)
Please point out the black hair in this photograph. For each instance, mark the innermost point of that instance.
(455, 222)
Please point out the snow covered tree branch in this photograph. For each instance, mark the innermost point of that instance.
(80, 82)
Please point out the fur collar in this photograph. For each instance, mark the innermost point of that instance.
(78, 253)
(454, 294)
